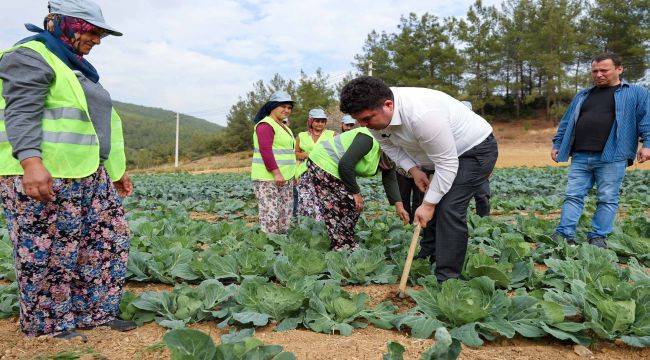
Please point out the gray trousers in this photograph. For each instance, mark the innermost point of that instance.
(445, 237)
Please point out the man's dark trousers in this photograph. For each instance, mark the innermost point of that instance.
(482, 199)
(445, 237)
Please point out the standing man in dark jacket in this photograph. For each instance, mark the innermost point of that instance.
(600, 131)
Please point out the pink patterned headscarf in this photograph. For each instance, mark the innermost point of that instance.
(71, 29)
(310, 122)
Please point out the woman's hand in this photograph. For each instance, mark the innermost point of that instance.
(124, 186)
(37, 181)
(301, 155)
(401, 212)
(279, 179)
(358, 202)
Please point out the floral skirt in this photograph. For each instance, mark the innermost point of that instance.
(308, 204)
(275, 205)
(336, 206)
(70, 254)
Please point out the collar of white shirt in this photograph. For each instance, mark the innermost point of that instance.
(397, 118)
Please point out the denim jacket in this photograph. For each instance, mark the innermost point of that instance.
(632, 105)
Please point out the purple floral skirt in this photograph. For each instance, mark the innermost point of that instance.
(308, 203)
(336, 206)
(70, 254)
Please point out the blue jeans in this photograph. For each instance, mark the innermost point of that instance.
(586, 170)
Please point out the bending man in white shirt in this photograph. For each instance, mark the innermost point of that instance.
(428, 132)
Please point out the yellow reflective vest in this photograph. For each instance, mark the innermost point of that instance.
(283, 151)
(70, 148)
(327, 154)
(307, 144)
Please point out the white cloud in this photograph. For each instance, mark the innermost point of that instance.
(198, 56)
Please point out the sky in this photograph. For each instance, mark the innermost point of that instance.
(199, 56)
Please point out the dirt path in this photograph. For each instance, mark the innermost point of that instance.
(370, 343)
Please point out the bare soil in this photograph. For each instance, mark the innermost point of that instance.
(370, 343)
(210, 217)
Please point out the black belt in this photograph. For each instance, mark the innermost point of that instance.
(490, 137)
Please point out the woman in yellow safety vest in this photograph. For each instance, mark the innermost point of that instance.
(62, 166)
(305, 142)
(332, 169)
(274, 164)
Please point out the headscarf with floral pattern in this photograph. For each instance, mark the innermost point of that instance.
(69, 30)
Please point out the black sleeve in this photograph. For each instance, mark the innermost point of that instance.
(389, 180)
(360, 147)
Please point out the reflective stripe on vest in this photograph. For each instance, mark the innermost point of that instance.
(69, 138)
(279, 162)
(61, 138)
(69, 146)
(58, 113)
(337, 154)
(276, 151)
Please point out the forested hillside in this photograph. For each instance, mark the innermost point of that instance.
(517, 60)
(150, 135)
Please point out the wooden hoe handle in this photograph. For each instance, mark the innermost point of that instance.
(409, 260)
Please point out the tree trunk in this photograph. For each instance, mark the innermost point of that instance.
(530, 80)
(507, 82)
(518, 79)
(548, 97)
(575, 90)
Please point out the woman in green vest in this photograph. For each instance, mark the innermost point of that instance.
(306, 141)
(274, 164)
(332, 169)
(61, 168)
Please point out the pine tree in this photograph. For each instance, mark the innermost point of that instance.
(623, 27)
(481, 52)
(311, 92)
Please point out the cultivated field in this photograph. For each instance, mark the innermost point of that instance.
(528, 297)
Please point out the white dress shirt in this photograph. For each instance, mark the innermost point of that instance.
(431, 129)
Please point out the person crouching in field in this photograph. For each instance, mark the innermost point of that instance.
(423, 130)
(62, 166)
(305, 143)
(274, 164)
(332, 169)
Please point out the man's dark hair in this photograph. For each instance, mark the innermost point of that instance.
(609, 56)
(364, 93)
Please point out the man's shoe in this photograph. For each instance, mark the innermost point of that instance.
(557, 236)
(599, 241)
(116, 324)
(69, 335)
